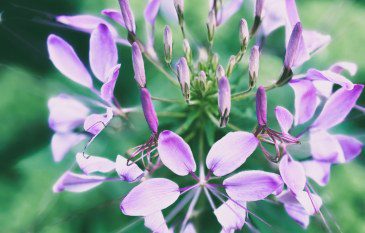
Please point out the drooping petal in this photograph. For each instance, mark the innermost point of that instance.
(339, 67)
(351, 147)
(305, 100)
(103, 53)
(62, 143)
(95, 123)
(317, 171)
(230, 152)
(330, 76)
(231, 215)
(127, 172)
(337, 107)
(315, 41)
(89, 164)
(292, 173)
(76, 183)
(156, 223)
(261, 106)
(149, 197)
(309, 201)
(175, 153)
(107, 90)
(323, 87)
(294, 208)
(252, 185)
(67, 62)
(228, 10)
(66, 113)
(151, 11)
(284, 117)
(325, 147)
(114, 15)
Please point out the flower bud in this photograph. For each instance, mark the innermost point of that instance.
(231, 64)
(179, 4)
(224, 100)
(187, 50)
(215, 61)
(219, 73)
(211, 24)
(138, 65)
(127, 15)
(149, 110)
(244, 35)
(202, 78)
(167, 44)
(259, 8)
(261, 106)
(253, 66)
(183, 74)
(293, 46)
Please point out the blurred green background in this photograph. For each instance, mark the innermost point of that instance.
(28, 79)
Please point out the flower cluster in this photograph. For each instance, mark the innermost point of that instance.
(208, 99)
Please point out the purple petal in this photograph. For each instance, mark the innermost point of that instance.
(292, 173)
(175, 153)
(114, 15)
(156, 222)
(323, 87)
(325, 147)
(76, 183)
(305, 100)
(62, 143)
(127, 14)
(138, 65)
(129, 173)
(149, 197)
(107, 90)
(274, 11)
(151, 11)
(230, 152)
(292, 12)
(103, 52)
(337, 107)
(89, 164)
(351, 147)
(339, 67)
(228, 10)
(86, 23)
(149, 110)
(252, 185)
(330, 76)
(231, 215)
(95, 123)
(67, 62)
(315, 41)
(317, 171)
(296, 53)
(294, 208)
(66, 113)
(261, 106)
(309, 201)
(284, 117)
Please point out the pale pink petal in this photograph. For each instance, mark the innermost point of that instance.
(62, 143)
(330, 76)
(89, 164)
(339, 67)
(252, 185)
(292, 173)
(337, 107)
(67, 62)
(95, 123)
(149, 197)
(175, 153)
(325, 147)
(228, 10)
(103, 53)
(77, 183)
(317, 171)
(292, 12)
(309, 201)
(156, 223)
(151, 11)
(230, 152)
(231, 215)
(274, 16)
(305, 100)
(285, 118)
(323, 87)
(129, 173)
(107, 90)
(294, 208)
(351, 147)
(315, 41)
(115, 15)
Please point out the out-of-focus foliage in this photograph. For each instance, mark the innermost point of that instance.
(27, 79)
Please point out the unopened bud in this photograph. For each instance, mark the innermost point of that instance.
(179, 7)
(183, 74)
(149, 110)
(127, 15)
(253, 66)
(202, 78)
(187, 51)
(138, 65)
(259, 8)
(219, 73)
(261, 106)
(224, 100)
(211, 24)
(231, 64)
(167, 44)
(244, 35)
(215, 61)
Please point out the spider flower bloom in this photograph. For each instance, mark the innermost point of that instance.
(224, 100)
(183, 74)
(128, 17)
(138, 65)
(224, 157)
